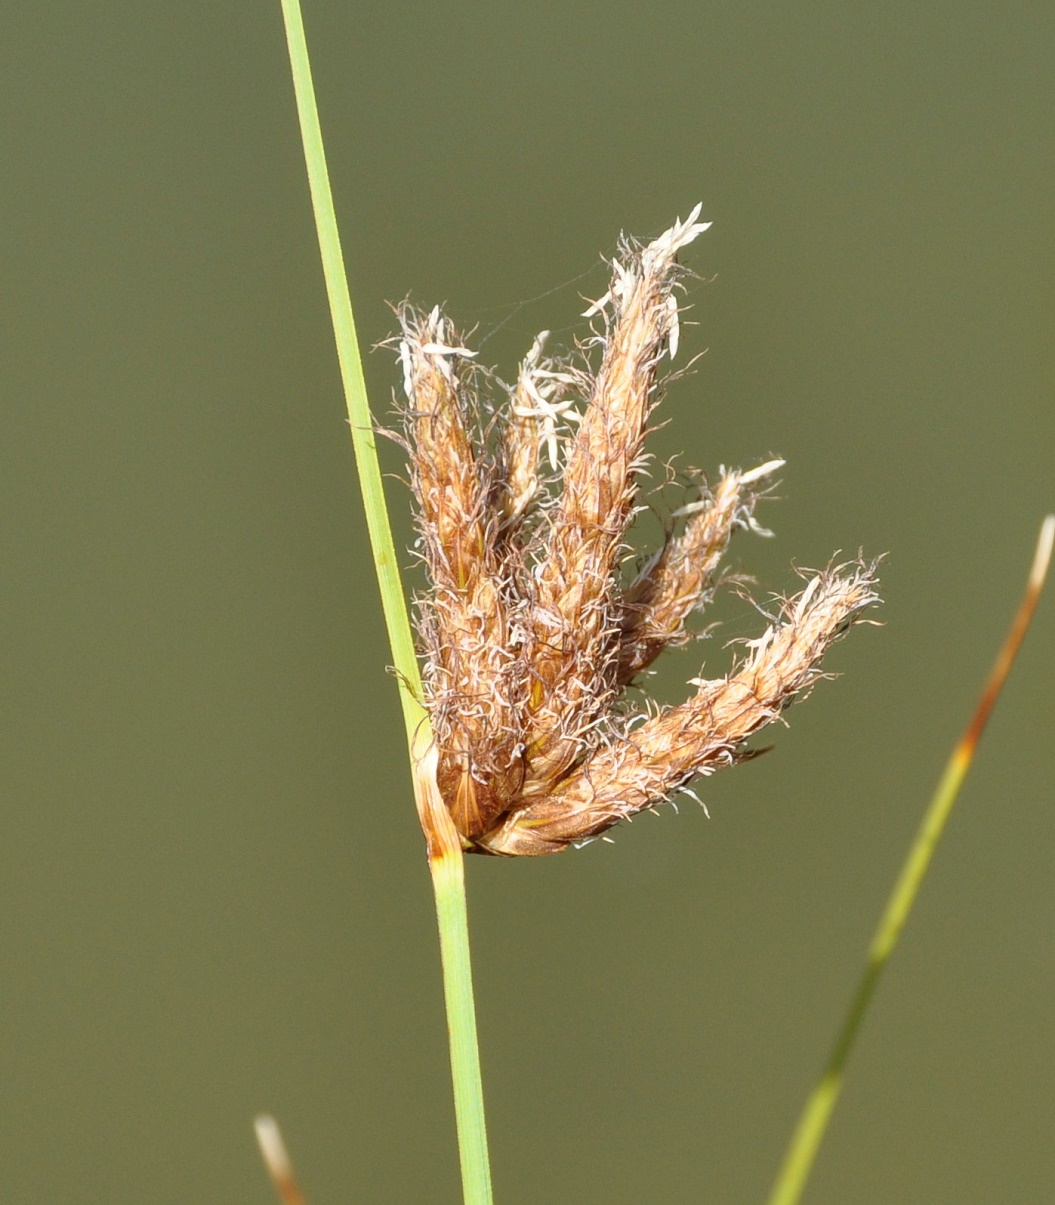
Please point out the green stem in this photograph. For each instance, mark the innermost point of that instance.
(377, 522)
(446, 865)
(448, 883)
(811, 1127)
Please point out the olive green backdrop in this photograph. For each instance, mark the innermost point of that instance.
(213, 894)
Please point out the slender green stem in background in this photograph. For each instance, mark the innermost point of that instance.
(809, 1133)
(445, 856)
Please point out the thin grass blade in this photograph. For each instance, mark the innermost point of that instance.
(809, 1133)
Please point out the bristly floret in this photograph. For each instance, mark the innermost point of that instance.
(530, 636)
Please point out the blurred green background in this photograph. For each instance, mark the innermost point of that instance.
(213, 890)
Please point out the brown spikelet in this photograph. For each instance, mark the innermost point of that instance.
(675, 581)
(517, 481)
(657, 758)
(471, 670)
(543, 394)
(574, 617)
(529, 636)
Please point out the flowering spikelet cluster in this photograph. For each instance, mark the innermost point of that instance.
(532, 630)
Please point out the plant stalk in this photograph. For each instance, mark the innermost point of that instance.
(448, 883)
(445, 855)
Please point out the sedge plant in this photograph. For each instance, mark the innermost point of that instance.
(537, 620)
